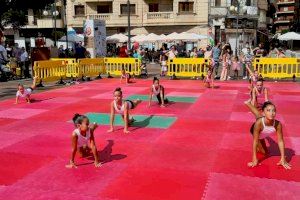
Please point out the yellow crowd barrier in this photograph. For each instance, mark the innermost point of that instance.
(92, 66)
(130, 65)
(277, 68)
(72, 67)
(188, 67)
(49, 70)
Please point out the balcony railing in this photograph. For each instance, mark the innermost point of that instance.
(160, 15)
(105, 17)
(285, 2)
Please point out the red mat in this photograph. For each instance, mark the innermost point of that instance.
(204, 154)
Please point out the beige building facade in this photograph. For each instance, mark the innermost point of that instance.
(252, 21)
(147, 16)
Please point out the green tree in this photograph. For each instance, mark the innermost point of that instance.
(13, 12)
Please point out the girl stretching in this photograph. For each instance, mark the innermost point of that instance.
(208, 80)
(125, 76)
(82, 138)
(258, 93)
(118, 105)
(159, 91)
(266, 125)
(253, 77)
(25, 93)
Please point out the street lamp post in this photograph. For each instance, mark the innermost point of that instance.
(54, 13)
(236, 9)
(129, 36)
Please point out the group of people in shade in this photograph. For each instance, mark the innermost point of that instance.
(264, 111)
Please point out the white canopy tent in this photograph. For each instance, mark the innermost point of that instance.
(138, 38)
(186, 36)
(289, 36)
(117, 38)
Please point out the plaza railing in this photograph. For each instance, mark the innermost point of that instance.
(277, 68)
(188, 67)
(114, 66)
(47, 71)
(92, 66)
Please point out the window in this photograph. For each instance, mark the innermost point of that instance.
(104, 9)
(217, 3)
(124, 9)
(79, 10)
(153, 7)
(186, 7)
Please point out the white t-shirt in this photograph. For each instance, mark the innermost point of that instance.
(25, 94)
(172, 54)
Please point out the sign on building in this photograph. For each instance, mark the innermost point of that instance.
(95, 37)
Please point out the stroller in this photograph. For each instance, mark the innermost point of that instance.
(6, 74)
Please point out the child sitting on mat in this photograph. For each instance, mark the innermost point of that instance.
(159, 91)
(83, 140)
(25, 93)
(120, 106)
(208, 80)
(125, 76)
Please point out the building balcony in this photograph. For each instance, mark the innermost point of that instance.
(285, 12)
(171, 18)
(285, 2)
(49, 23)
(105, 17)
(154, 18)
(112, 20)
(219, 11)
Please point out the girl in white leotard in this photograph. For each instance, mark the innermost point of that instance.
(25, 93)
(118, 105)
(158, 91)
(83, 140)
(266, 125)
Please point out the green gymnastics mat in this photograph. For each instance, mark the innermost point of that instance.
(170, 98)
(141, 120)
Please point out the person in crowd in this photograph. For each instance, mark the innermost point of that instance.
(216, 53)
(123, 52)
(163, 61)
(24, 63)
(236, 66)
(80, 51)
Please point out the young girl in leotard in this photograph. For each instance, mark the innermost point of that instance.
(120, 106)
(253, 77)
(259, 94)
(83, 140)
(208, 80)
(125, 76)
(158, 91)
(25, 93)
(266, 125)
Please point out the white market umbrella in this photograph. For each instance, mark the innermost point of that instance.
(151, 38)
(117, 38)
(289, 36)
(138, 38)
(172, 36)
